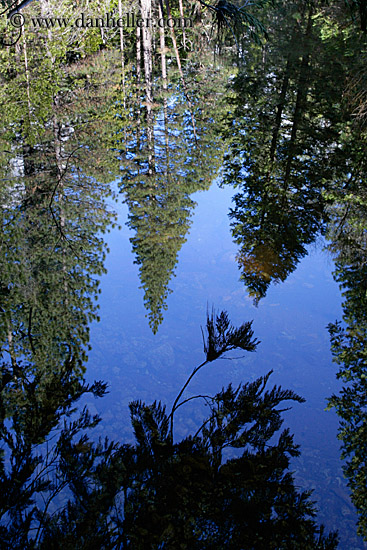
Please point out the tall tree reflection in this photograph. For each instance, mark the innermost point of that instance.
(157, 187)
(288, 142)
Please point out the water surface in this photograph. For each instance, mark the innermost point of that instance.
(290, 322)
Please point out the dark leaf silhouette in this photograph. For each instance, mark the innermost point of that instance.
(221, 336)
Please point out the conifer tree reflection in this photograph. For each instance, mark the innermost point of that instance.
(349, 343)
(53, 214)
(286, 144)
(273, 239)
(158, 191)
